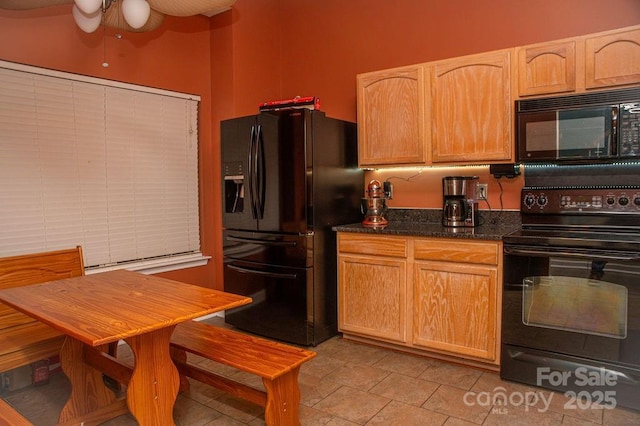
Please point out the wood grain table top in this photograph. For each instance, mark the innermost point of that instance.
(106, 307)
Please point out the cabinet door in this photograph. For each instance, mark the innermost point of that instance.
(372, 296)
(392, 117)
(548, 68)
(472, 109)
(455, 308)
(613, 59)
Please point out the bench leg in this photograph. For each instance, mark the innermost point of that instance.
(283, 400)
(113, 384)
(181, 356)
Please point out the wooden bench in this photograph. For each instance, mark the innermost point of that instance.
(276, 363)
(23, 340)
(10, 417)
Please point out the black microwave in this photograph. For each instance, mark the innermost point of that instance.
(586, 128)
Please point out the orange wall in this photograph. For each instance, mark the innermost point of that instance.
(317, 47)
(271, 49)
(324, 44)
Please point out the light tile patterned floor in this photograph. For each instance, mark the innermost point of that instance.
(353, 384)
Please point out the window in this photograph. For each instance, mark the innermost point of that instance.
(109, 166)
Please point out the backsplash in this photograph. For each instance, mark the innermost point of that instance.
(421, 188)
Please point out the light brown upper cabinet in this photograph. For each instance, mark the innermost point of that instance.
(460, 110)
(472, 109)
(597, 61)
(546, 68)
(392, 117)
(612, 59)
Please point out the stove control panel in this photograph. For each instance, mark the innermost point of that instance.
(558, 200)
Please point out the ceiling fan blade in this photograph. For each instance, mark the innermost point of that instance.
(30, 4)
(191, 7)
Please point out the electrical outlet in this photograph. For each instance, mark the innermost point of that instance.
(482, 191)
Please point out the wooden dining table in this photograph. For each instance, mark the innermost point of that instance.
(96, 310)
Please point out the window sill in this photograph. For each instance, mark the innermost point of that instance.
(155, 266)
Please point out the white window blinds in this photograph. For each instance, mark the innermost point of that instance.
(112, 167)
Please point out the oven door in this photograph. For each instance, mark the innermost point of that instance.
(583, 303)
(575, 312)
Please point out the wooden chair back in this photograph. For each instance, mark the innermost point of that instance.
(36, 268)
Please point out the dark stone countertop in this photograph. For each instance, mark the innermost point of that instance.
(427, 223)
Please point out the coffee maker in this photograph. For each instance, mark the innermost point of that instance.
(460, 207)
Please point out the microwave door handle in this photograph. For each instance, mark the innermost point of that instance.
(614, 130)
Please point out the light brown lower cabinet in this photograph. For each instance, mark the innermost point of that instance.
(375, 297)
(455, 308)
(436, 296)
(372, 286)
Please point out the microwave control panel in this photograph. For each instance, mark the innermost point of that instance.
(629, 130)
(554, 200)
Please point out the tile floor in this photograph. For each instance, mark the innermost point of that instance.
(354, 384)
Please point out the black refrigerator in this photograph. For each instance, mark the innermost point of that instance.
(288, 177)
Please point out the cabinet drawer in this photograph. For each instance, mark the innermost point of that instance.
(457, 251)
(373, 245)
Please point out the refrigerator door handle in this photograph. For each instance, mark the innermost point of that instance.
(251, 172)
(263, 273)
(263, 242)
(261, 179)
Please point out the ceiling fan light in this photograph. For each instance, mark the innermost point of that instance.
(87, 22)
(136, 12)
(89, 6)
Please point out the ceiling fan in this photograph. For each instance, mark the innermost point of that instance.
(128, 15)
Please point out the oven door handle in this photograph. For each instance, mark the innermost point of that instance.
(565, 253)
